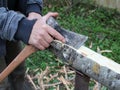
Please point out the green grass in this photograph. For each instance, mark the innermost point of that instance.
(101, 25)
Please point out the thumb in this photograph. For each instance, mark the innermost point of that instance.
(50, 14)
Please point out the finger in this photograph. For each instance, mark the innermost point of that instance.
(44, 43)
(50, 14)
(55, 34)
(48, 38)
(39, 46)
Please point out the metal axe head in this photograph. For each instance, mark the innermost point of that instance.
(73, 39)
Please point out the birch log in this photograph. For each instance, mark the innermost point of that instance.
(96, 66)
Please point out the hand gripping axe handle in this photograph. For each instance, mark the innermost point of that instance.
(26, 52)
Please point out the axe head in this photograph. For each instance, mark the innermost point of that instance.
(72, 39)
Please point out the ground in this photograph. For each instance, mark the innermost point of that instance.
(101, 25)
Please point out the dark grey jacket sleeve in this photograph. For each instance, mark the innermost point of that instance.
(34, 6)
(39, 2)
(9, 21)
(27, 6)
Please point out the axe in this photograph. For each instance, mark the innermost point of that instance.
(72, 39)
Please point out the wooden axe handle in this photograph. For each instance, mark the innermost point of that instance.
(28, 50)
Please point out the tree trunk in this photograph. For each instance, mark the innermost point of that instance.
(94, 65)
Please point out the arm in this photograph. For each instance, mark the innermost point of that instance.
(9, 23)
(34, 6)
(30, 6)
(25, 6)
(15, 26)
(34, 10)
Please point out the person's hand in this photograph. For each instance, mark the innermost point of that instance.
(33, 15)
(42, 34)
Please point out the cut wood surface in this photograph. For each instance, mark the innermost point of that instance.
(96, 66)
(99, 59)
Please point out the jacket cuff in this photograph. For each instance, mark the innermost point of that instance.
(34, 8)
(24, 30)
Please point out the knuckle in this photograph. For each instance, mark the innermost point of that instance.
(42, 48)
(47, 45)
(39, 46)
(36, 42)
(55, 35)
(42, 33)
(51, 40)
(44, 26)
(36, 45)
(50, 13)
(62, 38)
(38, 38)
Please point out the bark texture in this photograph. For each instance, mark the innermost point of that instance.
(94, 65)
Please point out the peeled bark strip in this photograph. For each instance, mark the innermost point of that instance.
(96, 66)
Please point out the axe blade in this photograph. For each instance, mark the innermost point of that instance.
(73, 39)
